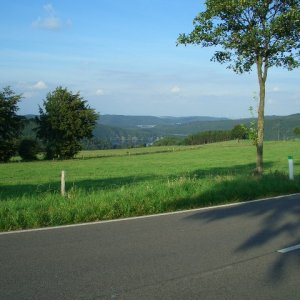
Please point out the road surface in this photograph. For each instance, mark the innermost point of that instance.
(219, 253)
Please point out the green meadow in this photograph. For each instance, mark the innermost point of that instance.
(102, 185)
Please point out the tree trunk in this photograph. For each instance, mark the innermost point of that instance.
(262, 77)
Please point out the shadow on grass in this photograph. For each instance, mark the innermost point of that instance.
(8, 192)
(271, 222)
(239, 188)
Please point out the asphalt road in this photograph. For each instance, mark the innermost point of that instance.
(219, 253)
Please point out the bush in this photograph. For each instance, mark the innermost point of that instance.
(28, 149)
(7, 150)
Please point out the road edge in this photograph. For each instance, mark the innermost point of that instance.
(146, 216)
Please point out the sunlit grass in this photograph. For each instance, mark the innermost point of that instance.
(118, 184)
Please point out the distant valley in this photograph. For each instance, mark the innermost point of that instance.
(276, 127)
(131, 131)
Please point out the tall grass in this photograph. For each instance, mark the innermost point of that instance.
(132, 185)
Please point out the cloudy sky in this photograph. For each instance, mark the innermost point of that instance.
(122, 58)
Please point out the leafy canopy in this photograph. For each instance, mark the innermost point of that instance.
(10, 123)
(249, 30)
(239, 132)
(64, 122)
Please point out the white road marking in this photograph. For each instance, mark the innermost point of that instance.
(289, 249)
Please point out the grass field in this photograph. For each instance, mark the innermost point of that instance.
(121, 183)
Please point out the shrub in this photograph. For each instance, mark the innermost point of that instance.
(28, 149)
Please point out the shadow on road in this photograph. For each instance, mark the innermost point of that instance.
(275, 219)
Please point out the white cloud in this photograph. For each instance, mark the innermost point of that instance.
(40, 85)
(175, 89)
(99, 92)
(50, 21)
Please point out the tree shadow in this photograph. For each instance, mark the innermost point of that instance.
(274, 219)
(8, 192)
(234, 184)
(218, 172)
(272, 222)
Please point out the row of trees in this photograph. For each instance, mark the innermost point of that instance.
(208, 137)
(64, 121)
(239, 132)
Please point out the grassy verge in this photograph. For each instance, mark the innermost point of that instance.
(117, 186)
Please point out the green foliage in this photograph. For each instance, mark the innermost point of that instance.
(239, 132)
(28, 149)
(297, 130)
(10, 123)
(208, 137)
(64, 122)
(169, 141)
(248, 30)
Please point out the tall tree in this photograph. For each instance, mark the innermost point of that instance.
(261, 33)
(64, 122)
(10, 123)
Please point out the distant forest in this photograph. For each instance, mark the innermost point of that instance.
(115, 131)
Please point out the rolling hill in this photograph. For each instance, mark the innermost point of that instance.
(126, 131)
(276, 127)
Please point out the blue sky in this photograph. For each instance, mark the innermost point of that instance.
(122, 58)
